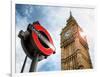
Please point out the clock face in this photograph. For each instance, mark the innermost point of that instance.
(67, 33)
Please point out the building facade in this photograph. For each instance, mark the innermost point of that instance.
(74, 47)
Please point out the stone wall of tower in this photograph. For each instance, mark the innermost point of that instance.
(83, 57)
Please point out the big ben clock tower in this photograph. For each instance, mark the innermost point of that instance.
(74, 47)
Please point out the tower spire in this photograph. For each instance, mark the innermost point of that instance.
(70, 13)
(70, 16)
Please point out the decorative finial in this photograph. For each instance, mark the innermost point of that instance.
(70, 13)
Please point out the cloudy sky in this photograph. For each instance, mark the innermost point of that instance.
(53, 18)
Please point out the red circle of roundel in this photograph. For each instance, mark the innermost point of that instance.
(44, 50)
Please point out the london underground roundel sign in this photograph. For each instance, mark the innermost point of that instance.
(42, 39)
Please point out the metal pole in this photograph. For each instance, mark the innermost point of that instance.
(24, 64)
(34, 63)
